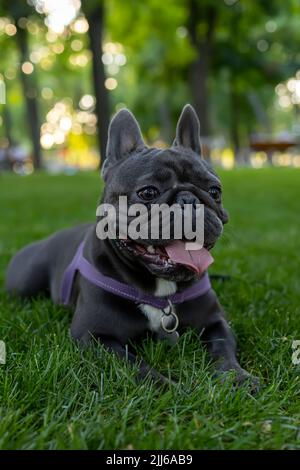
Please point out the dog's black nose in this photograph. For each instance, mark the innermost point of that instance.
(185, 197)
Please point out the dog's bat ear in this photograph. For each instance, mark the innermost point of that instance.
(124, 137)
(188, 130)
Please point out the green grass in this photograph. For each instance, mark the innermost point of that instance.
(53, 396)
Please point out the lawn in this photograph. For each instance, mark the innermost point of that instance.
(53, 396)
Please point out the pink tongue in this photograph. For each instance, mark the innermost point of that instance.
(199, 260)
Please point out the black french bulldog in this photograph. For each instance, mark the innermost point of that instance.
(145, 175)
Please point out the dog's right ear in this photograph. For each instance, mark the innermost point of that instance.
(124, 138)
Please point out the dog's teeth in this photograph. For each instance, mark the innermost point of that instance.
(151, 249)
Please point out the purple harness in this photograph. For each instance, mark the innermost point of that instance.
(89, 272)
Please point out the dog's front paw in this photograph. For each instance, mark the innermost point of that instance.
(240, 378)
(243, 378)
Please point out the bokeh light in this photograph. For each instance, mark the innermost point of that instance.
(27, 68)
(111, 83)
(59, 13)
(10, 29)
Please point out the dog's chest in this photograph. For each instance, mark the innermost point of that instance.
(154, 314)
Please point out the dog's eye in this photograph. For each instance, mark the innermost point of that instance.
(149, 193)
(215, 193)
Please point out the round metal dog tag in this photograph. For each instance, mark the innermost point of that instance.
(163, 322)
(169, 312)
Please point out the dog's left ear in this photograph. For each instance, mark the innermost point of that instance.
(124, 138)
(188, 130)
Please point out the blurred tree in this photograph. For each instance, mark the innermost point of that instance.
(19, 10)
(6, 109)
(7, 121)
(158, 53)
(201, 24)
(94, 11)
(224, 56)
(232, 42)
(208, 51)
(245, 46)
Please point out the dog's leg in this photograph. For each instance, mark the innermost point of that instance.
(220, 343)
(87, 326)
(84, 338)
(27, 273)
(144, 370)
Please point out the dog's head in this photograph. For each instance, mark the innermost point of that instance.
(154, 176)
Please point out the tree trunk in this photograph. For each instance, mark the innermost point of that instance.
(95, 19)
(234, 124)
(30, 94)
(7, 122)
(200, 68)
(165, 119)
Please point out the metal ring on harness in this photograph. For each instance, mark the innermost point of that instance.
(164, 327)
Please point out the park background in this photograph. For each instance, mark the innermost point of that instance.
(66, 67)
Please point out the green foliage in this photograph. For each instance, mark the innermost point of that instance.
(254, 46)
(16, 9)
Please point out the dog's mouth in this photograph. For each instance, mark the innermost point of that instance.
(169, 258)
